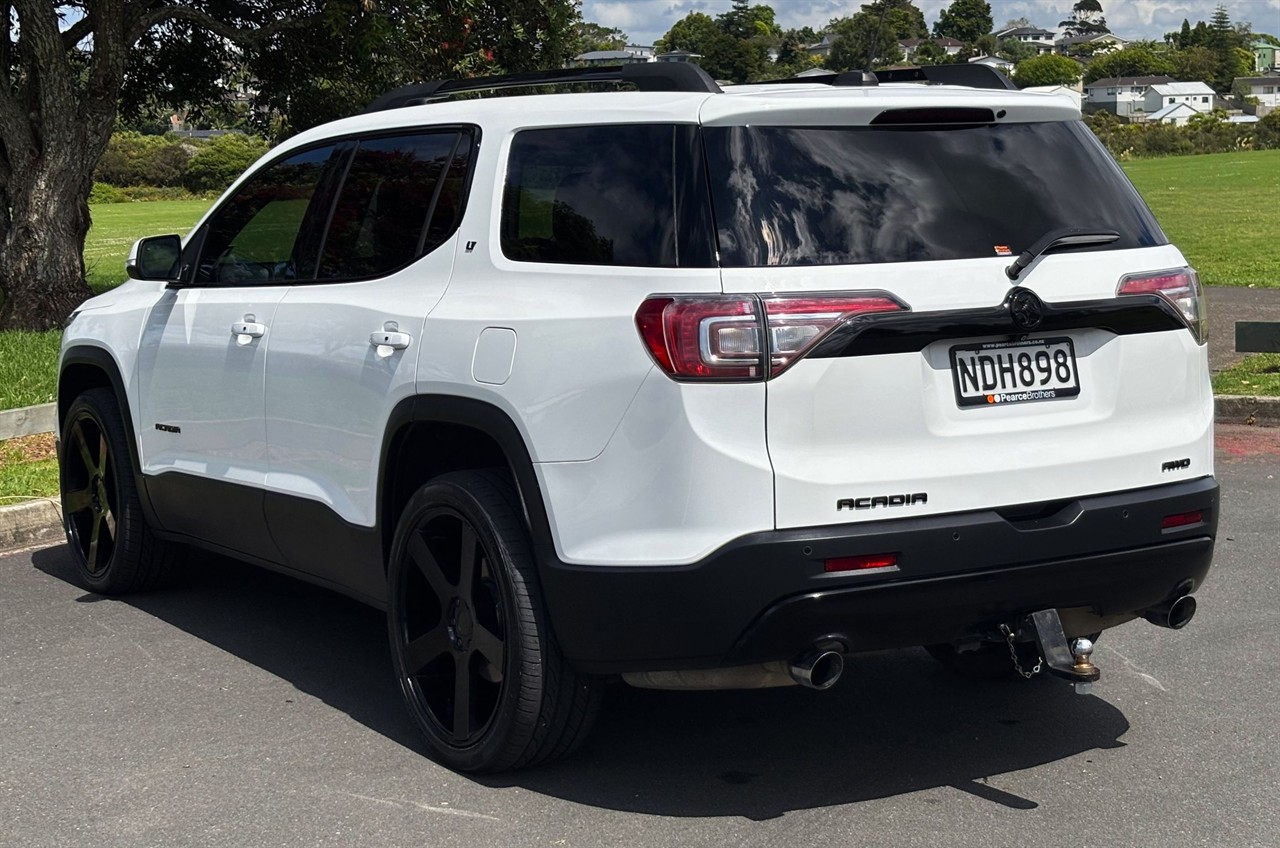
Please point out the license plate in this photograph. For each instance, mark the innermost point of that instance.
(1014, 372)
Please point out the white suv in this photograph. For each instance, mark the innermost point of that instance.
(699, 387)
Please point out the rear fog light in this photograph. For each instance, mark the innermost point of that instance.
(1182, 519)
(861, 563)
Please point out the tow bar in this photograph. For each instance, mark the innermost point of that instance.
(1070, 662)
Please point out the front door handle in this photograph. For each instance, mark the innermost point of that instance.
(388, 339)
(247, 330)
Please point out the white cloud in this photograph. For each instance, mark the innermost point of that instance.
(648, 20)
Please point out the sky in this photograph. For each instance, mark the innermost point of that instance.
(645, 21)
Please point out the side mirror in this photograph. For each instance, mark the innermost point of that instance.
(154, 258)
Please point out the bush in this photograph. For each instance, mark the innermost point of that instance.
(1202, 134)
(135, 159)
(220, 161)
(106, 193)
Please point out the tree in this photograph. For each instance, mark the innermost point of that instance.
(1015, 51)
(590, 37)
(1086, 19)
(64, 68)
(1140, 59)
(746, 22)
(964, 20)
(931, 53)
(1049, 69)
(694, 33)
(1016, 23)
(1193, 64)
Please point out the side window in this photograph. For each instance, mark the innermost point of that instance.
(401, 198)
(607, 195)
(253, 238)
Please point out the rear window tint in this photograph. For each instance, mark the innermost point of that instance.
(607, 195)
(850, 195)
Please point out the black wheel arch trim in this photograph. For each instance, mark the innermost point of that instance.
(102, 360)
(488, 419)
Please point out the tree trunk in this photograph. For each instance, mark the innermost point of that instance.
(41, 255)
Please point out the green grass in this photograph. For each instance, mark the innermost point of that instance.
(116, 226)
(22, 479)
(1221, 209)
(27, 365)
(1258, 374)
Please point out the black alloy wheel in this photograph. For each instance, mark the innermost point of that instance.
(477, 664)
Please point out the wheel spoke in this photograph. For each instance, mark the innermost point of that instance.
(109, 519)
(422, 557)
(94, 536)
(467, 567)
(486, 643)
(77, 501)
(82, 445)
(421, 652)
(461, 699)
(103, 456)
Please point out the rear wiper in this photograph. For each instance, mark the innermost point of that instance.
(1056, 239)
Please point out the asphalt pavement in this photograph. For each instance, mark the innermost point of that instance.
(241, 708)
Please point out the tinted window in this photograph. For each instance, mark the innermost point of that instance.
(827, 196)
(607, 195)
(253, 238)
(380, 219)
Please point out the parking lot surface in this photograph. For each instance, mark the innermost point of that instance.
(242, 708)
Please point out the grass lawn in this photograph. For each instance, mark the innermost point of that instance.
(1221, 209)
(28, 469)
(116, 226)
(27, 365)
(1258, 374)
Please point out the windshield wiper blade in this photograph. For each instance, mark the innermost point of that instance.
(1057, 239)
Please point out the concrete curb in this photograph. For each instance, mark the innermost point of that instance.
(30, 523)
(34, 522)
(28, 420)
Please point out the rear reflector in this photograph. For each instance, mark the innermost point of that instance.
(1182, 519)
(1181, 287)
(728, 338)
(861, 563)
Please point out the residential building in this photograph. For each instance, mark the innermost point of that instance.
(1265, 88)
(1123, 96)
(1266, 56)
(949, 45)
(822, 49)
(1104, 43)
(1041, 39)
(1197, 95)
(608, 57)
(993, 62)
(678, 56)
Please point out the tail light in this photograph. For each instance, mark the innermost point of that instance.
(1181, 287)
(732, 337)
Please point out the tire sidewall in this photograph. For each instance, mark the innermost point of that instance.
(505, 739)
(92, 405)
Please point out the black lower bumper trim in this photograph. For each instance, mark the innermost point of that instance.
(766, 596)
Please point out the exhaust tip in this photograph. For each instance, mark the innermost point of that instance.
(817, 669)
(1174, 614)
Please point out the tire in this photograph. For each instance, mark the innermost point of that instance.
(113, 549)
(471, 643)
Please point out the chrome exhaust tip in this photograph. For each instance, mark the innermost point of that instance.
(817, 669)
(1173, 614)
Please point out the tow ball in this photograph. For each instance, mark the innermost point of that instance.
(1068, 660)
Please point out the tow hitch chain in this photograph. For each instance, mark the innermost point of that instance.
(1070, 662)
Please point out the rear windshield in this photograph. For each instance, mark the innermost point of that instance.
(850, 195)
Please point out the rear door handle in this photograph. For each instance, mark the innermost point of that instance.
(385, 338)
(247, 330)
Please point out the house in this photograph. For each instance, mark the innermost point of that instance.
(678, 56)
(822, 49)
(608, 57)
(1122, 96)
(1104, 43)
(949, 45)
(1266, 56)
(1265, 89)
(1198, 95)
(641, 51)
(1041, 39)
(1176, 113)
(993, 62)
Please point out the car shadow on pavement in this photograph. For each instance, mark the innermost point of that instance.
(896, 723)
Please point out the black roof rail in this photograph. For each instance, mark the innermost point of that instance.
(649, 76)
(968, 74)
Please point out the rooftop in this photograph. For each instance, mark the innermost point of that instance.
(1115, 82)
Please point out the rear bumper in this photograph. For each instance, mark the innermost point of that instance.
(766, 596)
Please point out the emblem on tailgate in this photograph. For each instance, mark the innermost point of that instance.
(882, 500)
(1025, 308)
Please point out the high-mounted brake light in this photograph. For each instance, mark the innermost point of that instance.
(1181, 287)
(728, 338)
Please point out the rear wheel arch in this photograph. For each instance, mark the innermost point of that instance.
(430, 435)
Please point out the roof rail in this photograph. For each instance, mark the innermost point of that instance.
(656, 76)
(969, 74)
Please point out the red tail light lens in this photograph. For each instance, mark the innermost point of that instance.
(861, 563)
(728, 337)
(1181, 287)
(1182, 519)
